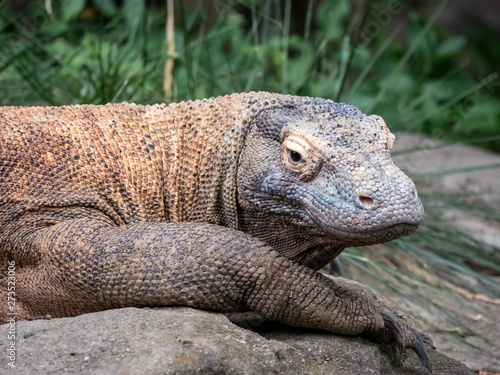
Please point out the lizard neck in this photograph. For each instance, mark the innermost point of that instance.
(296, 243)
(200, 142)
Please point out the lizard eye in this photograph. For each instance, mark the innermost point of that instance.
(294, 157)
(301, 156)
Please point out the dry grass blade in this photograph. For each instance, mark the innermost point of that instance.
(168, 79)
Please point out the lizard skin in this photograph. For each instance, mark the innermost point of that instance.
(227, 204)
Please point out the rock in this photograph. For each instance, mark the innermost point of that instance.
(181, 340)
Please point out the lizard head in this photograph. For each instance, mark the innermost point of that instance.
(324, 169)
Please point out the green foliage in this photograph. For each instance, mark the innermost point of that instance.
(97, 51)
(70, 9)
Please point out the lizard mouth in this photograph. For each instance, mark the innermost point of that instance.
(358, 226)
(354, 235)
(392, 232)
(376, 236)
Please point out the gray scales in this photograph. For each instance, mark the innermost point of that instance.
(228, 204)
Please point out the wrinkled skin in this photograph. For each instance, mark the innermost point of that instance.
(227, 204)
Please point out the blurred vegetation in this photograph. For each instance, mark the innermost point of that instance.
(401, 65)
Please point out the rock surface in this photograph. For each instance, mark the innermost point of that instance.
(188, 341)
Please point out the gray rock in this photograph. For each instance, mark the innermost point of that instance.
(181, 340)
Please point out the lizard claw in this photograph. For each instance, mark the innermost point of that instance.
(396, 332)
(391, 324)
(419, 347)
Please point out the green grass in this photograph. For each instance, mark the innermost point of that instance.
(412, 74)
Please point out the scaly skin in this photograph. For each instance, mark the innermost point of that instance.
(227, 204)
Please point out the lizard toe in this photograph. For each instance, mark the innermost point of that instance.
(398, 332)
(394, 330)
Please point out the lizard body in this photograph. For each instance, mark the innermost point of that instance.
(228, 204)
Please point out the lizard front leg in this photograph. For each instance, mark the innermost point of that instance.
(91, 265)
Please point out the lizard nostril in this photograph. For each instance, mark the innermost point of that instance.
(366, 201)
(415, 195)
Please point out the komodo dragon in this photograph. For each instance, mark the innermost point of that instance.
(227, 204)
